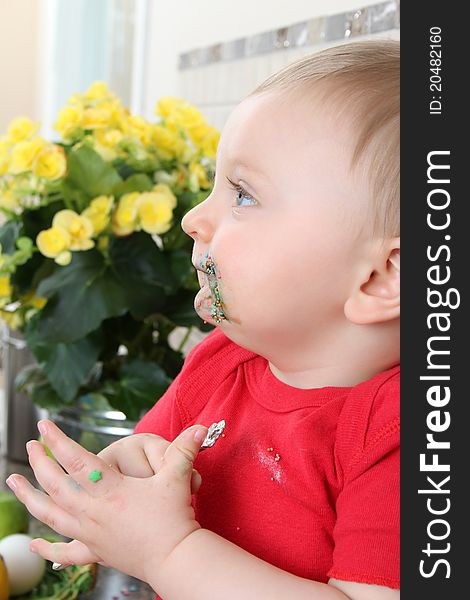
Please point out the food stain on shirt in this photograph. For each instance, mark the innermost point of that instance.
(270, 461)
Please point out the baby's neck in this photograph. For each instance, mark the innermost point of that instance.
(349, 359)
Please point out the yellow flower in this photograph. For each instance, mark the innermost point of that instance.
(38, 302)
(125, 217)
(68, 120)
(24, 153)
(105, 114)
(50, 163)
(166, 105)
(54, 243)
(30, 299)
(12, 319)
(166, 193)
(186, 116)
(209, 142)
(79, 229)
(4, 156)
(106, 141)
(109, 137)
(154, 212)
(197, 177)
(94, 118)
(8, 200)
(180, 175)
(178, 113)
(75, 100)
(168, 143)
(21, 128)
(5, 287)
(139, 128)
(98, 213)
(97, 91)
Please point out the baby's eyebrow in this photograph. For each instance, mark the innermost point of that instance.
(241, 162)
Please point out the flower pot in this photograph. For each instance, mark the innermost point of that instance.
(92, 428)
(18, 414)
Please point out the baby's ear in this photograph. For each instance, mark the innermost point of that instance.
(377, 298)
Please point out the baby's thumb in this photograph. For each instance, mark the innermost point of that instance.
(181, 453)
(196, 481)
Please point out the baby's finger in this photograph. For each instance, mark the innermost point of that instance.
(132, 462)
(64, 553)
(42, 507)
(83, 466)
(52, 478)
(155, 447)
(138, 455)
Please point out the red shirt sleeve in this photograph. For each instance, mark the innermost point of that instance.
(367, 529)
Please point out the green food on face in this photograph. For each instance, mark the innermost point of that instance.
(14, 517)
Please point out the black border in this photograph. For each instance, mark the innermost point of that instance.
(422, 133)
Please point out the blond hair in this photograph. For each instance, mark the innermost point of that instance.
(363, 80)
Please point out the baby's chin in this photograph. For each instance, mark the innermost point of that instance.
(208, 305)
(203, 302)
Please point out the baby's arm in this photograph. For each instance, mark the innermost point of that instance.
(215, 568)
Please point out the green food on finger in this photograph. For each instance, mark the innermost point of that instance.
(46, 448)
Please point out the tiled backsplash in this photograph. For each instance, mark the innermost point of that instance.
(217, 78)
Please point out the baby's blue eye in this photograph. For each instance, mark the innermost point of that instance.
(241, 194)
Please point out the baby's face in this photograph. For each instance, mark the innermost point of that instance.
(279, 253)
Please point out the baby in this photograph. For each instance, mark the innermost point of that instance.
(297, 253)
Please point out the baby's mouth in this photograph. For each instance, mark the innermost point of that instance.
(211, 280)
(217, 313)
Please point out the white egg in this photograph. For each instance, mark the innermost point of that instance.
(25, 569)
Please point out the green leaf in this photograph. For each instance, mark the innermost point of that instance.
(67, 584)
(9, 233)
(176, 239)
(67, 366)
(143, 271)
(87, 171)
(83, 294)
(140, 385)
(134, 183)
(76, 199)
(183, 270)
(27, 276)
(32, 381)
(181, 310)
(146, 165)
(40, 218)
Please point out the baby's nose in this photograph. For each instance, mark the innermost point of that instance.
(197, 224)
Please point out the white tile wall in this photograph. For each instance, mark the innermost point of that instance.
(218, 87)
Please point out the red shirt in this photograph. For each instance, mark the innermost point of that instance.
(305, 479)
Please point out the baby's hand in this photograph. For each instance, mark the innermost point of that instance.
(118, 517)
(138, 455)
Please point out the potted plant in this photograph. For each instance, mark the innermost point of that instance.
(95, 270)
